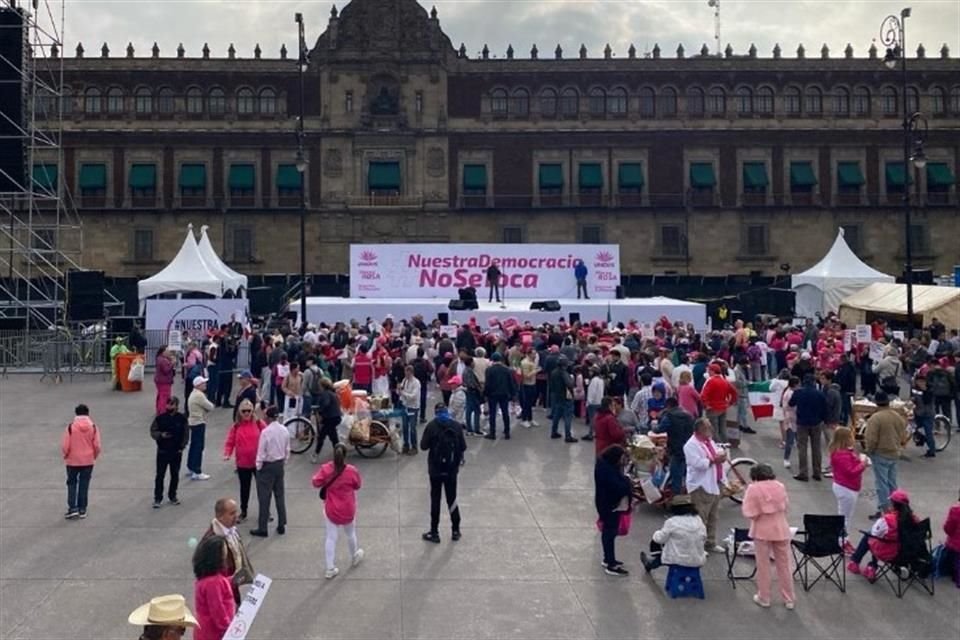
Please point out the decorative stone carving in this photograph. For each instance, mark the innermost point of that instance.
(206, 51)
(80, 50)
(104, 51)
(436, 162)
(129, 49)
(777, 51)
(848, 52)
(155, 52)
(333, 164)
(656, 51)
(257, 52)
(181, 52)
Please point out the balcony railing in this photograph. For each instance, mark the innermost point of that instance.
(384, 201)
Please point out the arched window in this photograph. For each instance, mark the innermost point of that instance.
(668, 102)
(841, 102)
(91, 101)
(194, 100)
(955, 101)
(66, 101)
(498, 102)
(913, 100)
(648, 103)
(939, 98)
(791, 101)
(889, 98)
(598, 102)
(861, 101)
(763, 101)
(165, 101)
(520, 103)
(246, 102)
(268, 101)
(115, 100)
(744, 101)
(217, 102)
(143, 101)
(718, 102)
(548, 103)
(695, 102)
(46, 105)
(813, 101)
(617, 101)
(569, 102)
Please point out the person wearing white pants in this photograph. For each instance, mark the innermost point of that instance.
(848, 467)
(338, 483)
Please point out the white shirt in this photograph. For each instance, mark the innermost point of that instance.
(701, 471)
(595, 390)
(410, 393)
(677, 370)
(274, 444)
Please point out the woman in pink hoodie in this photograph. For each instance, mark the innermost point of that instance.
(80, 447)
(848, 467)
(243, 438)
(765, 505)
(338, 483)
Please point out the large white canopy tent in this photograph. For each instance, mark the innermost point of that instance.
(890, 301)
(840, 273)
(232, 281)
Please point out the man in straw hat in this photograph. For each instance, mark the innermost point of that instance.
(163, 618)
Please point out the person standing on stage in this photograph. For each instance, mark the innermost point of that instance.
(580, 273)
(493, 279)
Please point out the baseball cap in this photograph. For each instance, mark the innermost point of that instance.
(900, 496)
(199, 380)
(246, 373)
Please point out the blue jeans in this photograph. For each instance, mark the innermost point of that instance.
(504, 406)
(926, 423)
(410, 427)
(678, 473)
(195, 452)
(78, 483)
(845, 407)
(591, 414)
(528, 395)
(562, 409)
(788, 443)
(885, 477)
(472, 413)
(743, 411)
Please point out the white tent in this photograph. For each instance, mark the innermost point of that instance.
(232, 281)
(890, 300)
(186, 272)
(838, 275)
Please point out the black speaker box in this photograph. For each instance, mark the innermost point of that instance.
(444, 318)
(12, 160)
(463, 305)
(545, 305)
(468, 293)
(574, 317)
(85, 295)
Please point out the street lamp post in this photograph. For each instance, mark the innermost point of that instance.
(893, 33)
(302, 63)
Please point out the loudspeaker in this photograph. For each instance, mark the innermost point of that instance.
(574, 317)
(444, 318)
(84, 295)
(923, 276)
(545, 305)
(12, 160)
(620, 293)
(463, 305)
(124, 324)
(468, 293)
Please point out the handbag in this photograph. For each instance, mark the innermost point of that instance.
(323, 489)
(623, 525)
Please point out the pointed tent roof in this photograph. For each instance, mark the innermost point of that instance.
(232, 281)
(186, 272)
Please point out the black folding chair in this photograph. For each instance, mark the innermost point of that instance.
(732, 552)
(913, 564)
(820, 546)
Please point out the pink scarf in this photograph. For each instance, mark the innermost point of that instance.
(712, 454)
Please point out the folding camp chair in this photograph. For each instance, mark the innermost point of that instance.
(913, 564)
(820, 546)
(732, 552)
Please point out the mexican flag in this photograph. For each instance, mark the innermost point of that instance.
(763, 399)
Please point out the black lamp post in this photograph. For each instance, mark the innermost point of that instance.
(893, 33)
(302, 63)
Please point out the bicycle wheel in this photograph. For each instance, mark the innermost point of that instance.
(377, 445)
(302, 434)
(942, 430)
(738, 473)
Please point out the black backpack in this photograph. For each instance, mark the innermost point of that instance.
(445, 455)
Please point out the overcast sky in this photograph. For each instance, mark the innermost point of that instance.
(522, 23)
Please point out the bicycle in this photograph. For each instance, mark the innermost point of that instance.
(942, 431)
(303, 434)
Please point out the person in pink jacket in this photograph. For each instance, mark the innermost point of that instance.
(163, 378)
(338, 483)
(848, 467)
(243, 438)
(765, 505)
(212, 593)
(80, 447)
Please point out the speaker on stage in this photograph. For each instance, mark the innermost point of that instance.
(574, 317)
(545, 305)
(467, 293)
(12, 160)
(620, 293)
(444, 318)
(84, 295)
(463, 305)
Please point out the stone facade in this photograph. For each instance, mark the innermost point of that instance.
(385, 87)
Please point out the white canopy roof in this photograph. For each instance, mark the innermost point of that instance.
(232, 281)
(839, 274)
(929, 302)
(186, 272)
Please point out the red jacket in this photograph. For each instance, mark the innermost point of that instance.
(847, 468)
(886, 548)
(607, 431)
(80, 444)
(362, 368)
(244, 437)
(952, 528)
(718, 394)
(214, 605)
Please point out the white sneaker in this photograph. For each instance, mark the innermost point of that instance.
(314, 458)
(716, 549)
(788, 605)
(759, 602)
(357, 558)
(534, 423)
(332, 573)
(200, 476)
(786, 464)
(525, 424)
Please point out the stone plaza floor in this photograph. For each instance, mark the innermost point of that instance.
(528, 566)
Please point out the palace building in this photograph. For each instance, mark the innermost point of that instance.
(694, 163)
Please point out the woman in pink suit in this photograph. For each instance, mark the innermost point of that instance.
(765, 505)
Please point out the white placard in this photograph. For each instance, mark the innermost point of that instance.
(174, 340)
(876, 351)
(243, 620)
(899, 335)
(195, 317)
(438, 270)
(848, 336)
(864, 334)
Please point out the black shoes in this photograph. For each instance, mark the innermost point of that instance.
(281, 530)
(930, 454)
(748, 430)
(588, 438)
(506, 436)
(258, 533)
(570, 440)
(432, 536)
(801, 478)
(615, 570)
(817, 478)
(455, 535)
(490, 436)
(555, 435)
(645, 561)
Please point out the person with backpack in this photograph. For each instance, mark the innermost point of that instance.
(311, 385)
(80, 447)
(338, 483)
(328, 408)
(445, 443)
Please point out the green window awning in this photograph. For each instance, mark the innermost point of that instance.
(93, 176)
(288, 177)
(801, 174)
(384, 175)
(242, 176)
(939, 175)
(193, 176)
(551, 176)
(591, 175)
(849, 174)
(474, 176)
(45, 176)
(701, 175)
(143, 176)
(896, 175)
(630, 175)
(755, 175)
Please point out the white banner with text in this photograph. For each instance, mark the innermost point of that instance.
(193, 318)
(528, 271)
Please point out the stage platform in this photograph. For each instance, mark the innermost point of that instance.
(643, 310)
